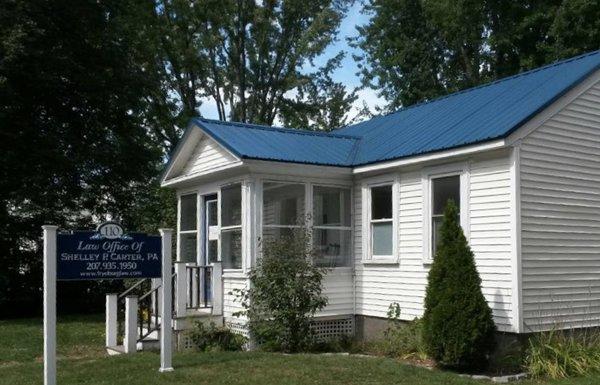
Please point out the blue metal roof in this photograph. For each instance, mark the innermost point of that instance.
(480, 114)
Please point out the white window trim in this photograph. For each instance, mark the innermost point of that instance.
(311, 191)
(243, 187)
(461, 169)
(367, 255)
(184, 232)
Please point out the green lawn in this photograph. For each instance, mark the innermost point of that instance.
(82, 360)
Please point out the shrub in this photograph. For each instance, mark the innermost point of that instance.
(284, 295)
(213, 338)
(458, 329)
(559, 353)
(401, 339)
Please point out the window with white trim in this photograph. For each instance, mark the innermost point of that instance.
(381, 222)
(443, 189)
(188, 228)
(231, 226)
(283, 208)
(332, 230)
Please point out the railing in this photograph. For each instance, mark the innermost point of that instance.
(199, 279)
(135, 314)
(147, 311)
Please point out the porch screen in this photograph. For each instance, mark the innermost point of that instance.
(283, 208)
(188, 228)
(331, 226)
(231, 226)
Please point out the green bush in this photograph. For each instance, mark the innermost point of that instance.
(213, 338)
(284, 295)
(560, 353)
(402, 339)
(458, 328)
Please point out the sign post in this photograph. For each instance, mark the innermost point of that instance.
(107, 253)
(50, 304)
(166, 312)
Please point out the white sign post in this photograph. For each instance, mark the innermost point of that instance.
(49, 304)
(166, 308)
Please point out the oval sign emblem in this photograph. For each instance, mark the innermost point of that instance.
(110, 230)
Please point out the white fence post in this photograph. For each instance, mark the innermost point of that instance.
(166, 308)
(217, 288)
(131, 315)
(49, 304)
(111, 320)
(180, 290)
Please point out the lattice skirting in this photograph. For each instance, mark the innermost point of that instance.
(238, 327)
(330, 328)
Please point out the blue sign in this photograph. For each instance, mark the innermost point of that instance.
(108, 254)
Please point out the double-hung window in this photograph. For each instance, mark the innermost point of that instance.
(381, 222)
(440, 185)
(443, 190)
(331, 226)
(283, 208)
(188, 228)
(231, 226)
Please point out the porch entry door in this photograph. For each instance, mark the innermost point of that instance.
(211, 241)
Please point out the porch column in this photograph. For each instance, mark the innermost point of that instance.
(217, 288)
(131, 315)
(111, 319)
(180, 290)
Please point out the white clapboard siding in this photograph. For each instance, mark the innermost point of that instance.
(207, 155)
(560, 217)
(377, 286)
(338, 287)
(231, 302)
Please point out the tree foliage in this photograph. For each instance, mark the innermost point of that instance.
(73, 145)
(284, 295)
(245, 57)
(458, 328)
(415, 50)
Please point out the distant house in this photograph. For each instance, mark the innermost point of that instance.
(520, 155)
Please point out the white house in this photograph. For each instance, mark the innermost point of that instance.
(521, 155)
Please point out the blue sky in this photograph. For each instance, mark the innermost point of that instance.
(346, 74)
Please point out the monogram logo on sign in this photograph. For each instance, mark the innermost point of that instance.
(110, 230)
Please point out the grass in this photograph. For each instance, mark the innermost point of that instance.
(82, 359)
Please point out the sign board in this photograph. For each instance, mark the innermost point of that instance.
(108, 254)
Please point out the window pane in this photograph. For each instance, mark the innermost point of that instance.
(212, 250)
(231, 249)
(231, 205)
(332, 247)
(382, 238)
(331, 206)
(283, 204)
(381, 202)
(188, 212)
(444, 189)
(187, 247)
(211, 213)
(273, 233)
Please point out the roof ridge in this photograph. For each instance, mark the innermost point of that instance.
(297, 131)
(480, 86)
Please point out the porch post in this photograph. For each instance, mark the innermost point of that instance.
(131, 315)
(166, 307)
(217, 288)
(180, 289)
(111, 320)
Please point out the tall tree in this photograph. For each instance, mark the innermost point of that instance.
(71, 135)
(244, 57)
(465, 43)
